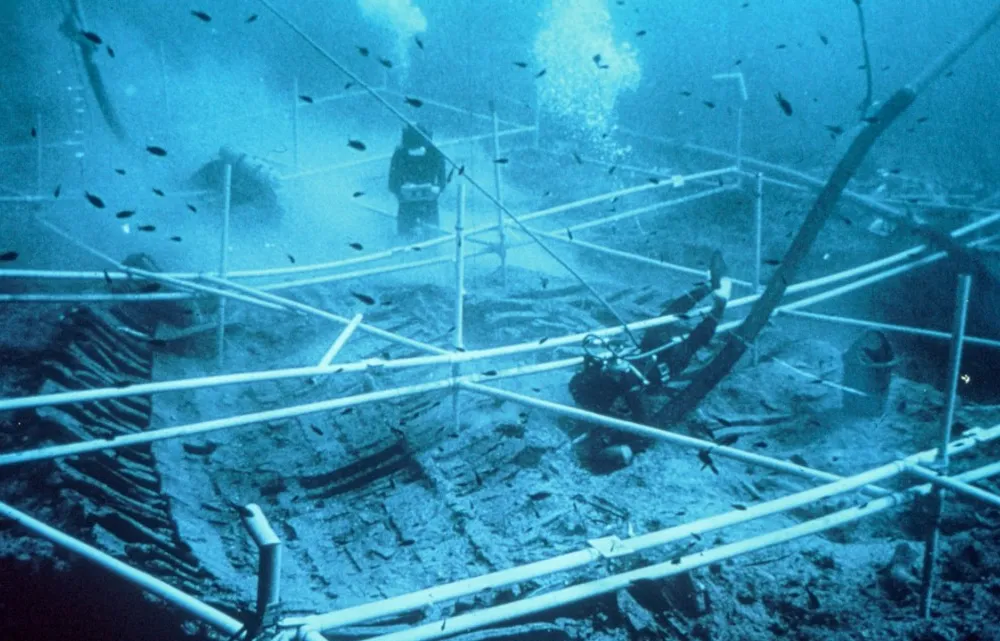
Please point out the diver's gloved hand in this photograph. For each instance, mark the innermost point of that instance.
(722, 285)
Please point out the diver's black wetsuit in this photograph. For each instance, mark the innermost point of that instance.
(416, 163)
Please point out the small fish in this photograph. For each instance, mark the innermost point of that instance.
(158, 192)
(356, 144)
(728, 440)
(120, 172)
(94, 200)
(862, 67)
(364, 298)
(895, 170)
(420, 43)
(192, 208)
(708, 103)
(541, 73)
(451, 172)
(740, 507)
(597, 59)
(773, 262)
(414, 102)
(611, 170)
(385, 62)
(871, 120)
(686, 94)
(125, 213)
(357, 194)
(835, 130)
(543, 340)
(781, 46)
(307, 99)
(522, 65)
(348, 86)
(107, 278)
(490, 372)
(346, 411)
(640, 33)
(146, 227)
(501, 161)
(34, 133)
(461, 170)
(252, 18)
(8, 257)
(654, 180)
(539, 496)
(577, 158)
(111, 52)
(738, 62)
(93, 37)
(760, 445)
(356, 246)
(318, 431)
(291, 258)
(923, 119)
(569, 233)
(201, 15)
(156, 151)
(706, 461)
(176, 239)
(824, 39)
(57, 191)
(783, 103)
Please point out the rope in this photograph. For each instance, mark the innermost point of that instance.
(402, 118)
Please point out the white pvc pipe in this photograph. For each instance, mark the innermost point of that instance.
(151, 584)
(459, 343)
(38, 154)
(341, 341)
(220, 330)
(295, 122)
(902, 329)
(631, 213)
(498, 183)
(954, 485)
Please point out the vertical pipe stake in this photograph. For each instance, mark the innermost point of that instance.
(220, 330)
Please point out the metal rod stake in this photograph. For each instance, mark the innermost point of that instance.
(220, 330)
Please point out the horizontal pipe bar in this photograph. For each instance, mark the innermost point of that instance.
(954, 485)
(534, 605)
(151, 584)
(903, 329)
(641, 210)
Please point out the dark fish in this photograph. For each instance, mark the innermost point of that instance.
(577, 158)
(798, 460)
(728, 440)
(356, 144)
(569, 233)
(318, 431)
(782, 46)
(835, 130)
(94, 200)
(107, 278)
(420, 43)
(773, 262)
(176, 239)
(192, 208)
(111, 52)
(522, 65)
(291, 258)
(760, 445)
(120, 172)
(201, 15)
(364, 298)
(34, 133)
(640, 33)
(706, 461)
(348, 86)
(654, 180)
(158, 192)
(346, 411)
(708, 103)
(56, 191)
(363, 50)
(385, 62)
(541, 73)
(871, 120)
(252, 17)
(886, 67)
(146, 227)
(597, 59)
(126, 213)
(539, 496)
(451, 172)
(356, 246)
(824, 39)
(8, 257)
(542, 341)
(415, 102)
(156, 151)
(923, 119)
(490, 372)
(895, 170)
(740, 507)
(461, 170)
(93, 37)
(738, 62)
(686, 94)
(357, 194)
(501, 161)
(307, 99)
(784, 104)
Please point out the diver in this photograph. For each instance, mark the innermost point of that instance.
(416, 178)
(614, 381)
